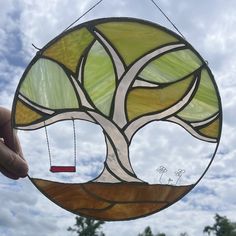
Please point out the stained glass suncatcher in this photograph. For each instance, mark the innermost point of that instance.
(121, 74)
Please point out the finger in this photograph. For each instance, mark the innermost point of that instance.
(8, 174)
(11, 139)
(7, 133)
(5, 116)
(5, 172)
(12, 162)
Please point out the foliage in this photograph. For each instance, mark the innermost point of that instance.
(148, 232)
(87, 227)
(221, 227)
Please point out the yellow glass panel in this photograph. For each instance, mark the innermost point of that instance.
(68, 49)
(141, 101)
(212, 130)
(133, 40)
(24, 115)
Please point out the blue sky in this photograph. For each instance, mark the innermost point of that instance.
(209, 25)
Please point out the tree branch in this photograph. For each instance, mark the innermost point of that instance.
(65, 115)
(119, 66)
(201, 123)
(80, 70)
(142, 83)
(134, 126)
(80, 92)
(127, 79)
(190, 129)
(38, 108)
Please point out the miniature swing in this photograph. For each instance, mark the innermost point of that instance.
(61, 168)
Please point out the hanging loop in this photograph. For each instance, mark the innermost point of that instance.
(85, 13)
(163, 13)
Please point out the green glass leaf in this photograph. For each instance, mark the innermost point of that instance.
(171, 67)
(205, 102)
(99, 78)
(47, 85)
(133, 40)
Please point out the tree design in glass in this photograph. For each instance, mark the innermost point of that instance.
(120, 74)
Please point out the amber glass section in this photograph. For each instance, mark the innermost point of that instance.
(24, 115)
(105, 201)
(124, 211)
(142, 101)
(211, 130)
(68, 49)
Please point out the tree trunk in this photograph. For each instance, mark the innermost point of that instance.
(117, 167)
(114, 170)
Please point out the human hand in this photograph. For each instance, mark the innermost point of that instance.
(12, 163)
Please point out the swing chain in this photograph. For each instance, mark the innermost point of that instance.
(48, 145)
(47, 139)
(75, 144)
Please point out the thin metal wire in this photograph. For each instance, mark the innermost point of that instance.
(167, 18)
(161, 170)
(47, 139)
(36, 47)
(179, 174)
(85, 13)
(75, 144)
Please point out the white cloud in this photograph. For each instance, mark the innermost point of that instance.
(165, 144)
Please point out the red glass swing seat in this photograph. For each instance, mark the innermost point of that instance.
(57, 169)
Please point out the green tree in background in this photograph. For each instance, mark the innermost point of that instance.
(221, 227)
(148, 232)
(87, 227)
